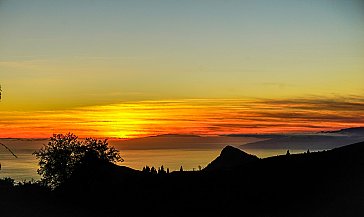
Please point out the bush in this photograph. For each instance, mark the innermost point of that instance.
(64, 153)
(7, 182)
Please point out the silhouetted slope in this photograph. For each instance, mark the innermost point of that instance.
(316, 184)
(230, 158)
(26, 200)
(98, 176)
(328, 183)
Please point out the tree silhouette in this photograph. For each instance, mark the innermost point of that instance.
(161, 170)
(7, 182)
(153, 170)
(64, 153)
(146, 169)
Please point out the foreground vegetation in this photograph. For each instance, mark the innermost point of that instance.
(329, 183)
(65, 153)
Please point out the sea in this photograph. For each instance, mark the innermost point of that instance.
(24, 167)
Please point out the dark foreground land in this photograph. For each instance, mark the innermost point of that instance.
(329, 183)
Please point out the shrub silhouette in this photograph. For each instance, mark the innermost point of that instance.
(7, 182)
(153, 171)
(146, 169)
(161, 170)
(64, 153)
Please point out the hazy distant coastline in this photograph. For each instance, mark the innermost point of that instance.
(317, 141)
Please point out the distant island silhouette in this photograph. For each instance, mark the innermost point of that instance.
(301, 141)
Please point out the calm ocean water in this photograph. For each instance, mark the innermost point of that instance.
(25, 166)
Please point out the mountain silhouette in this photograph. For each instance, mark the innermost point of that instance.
(230, 158)
(315, 184)
(327, 183)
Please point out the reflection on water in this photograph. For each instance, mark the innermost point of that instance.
(25, 166)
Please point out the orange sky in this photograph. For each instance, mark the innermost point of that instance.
(192, 116)
(137, 68)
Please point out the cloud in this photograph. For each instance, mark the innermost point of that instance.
(22, 64)
(190, 116)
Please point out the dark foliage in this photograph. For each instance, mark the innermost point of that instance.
(318, 184)
(64, 153)
(6, 182)
(329, 183)
(160, 171)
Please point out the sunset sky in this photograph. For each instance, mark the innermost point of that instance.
(128, 69)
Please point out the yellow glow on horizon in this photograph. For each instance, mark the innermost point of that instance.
(207, 117)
